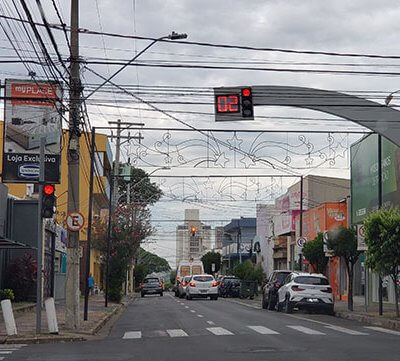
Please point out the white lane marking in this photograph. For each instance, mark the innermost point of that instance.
(263, 330)
(1, 358)
(186, 306)
(201, 316)
(132, 334)
(193, 311)
(5, 352)
(211, 323)
(385, 330)
(13, 345)
(347, 331)
(306, 330)
(177, 333)
(219, 331)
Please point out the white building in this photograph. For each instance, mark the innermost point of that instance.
(193, 238)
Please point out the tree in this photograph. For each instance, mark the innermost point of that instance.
(382, 236)
(208, 259)
(342, 241)
(142, 190)
(130, 226)
(313, 251)
(147, 263)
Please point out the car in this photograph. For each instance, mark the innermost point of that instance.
(187, 268)
(202, 286)
(309, 291)
(151, 286)
(229, 286)
(271, 287)
(182, 286)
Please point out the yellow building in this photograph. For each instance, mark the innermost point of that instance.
(101, 191)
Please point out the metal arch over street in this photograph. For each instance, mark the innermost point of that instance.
(379, 118)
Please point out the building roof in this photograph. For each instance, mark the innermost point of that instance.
(241, 222)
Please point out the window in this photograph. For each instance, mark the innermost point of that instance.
(203, 278)
(151, 280)
(307, 280)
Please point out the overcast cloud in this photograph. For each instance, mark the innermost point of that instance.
(358, 26)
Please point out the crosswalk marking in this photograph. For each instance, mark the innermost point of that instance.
(211, 323)
(177, 333)
(193, 311)
(219, 331)
(381, 329)
(347, 331)
(306, 330)
(5, 352)
(132, 334)
(201, 316)
(263, 330)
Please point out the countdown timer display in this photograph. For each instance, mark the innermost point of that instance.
(229, 103)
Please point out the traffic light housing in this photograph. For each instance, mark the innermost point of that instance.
(193, 230)
(247, 103)
(48, 200)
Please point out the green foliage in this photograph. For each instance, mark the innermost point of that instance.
(147, 263)
(342, 241)
(382, 236)
(142, 190)
(313, 251)
(21, 277)
(208, 259)
(7, 294)
(248, 271)
(172, 276)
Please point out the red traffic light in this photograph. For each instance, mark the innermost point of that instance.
(48, 189)
(246, 92)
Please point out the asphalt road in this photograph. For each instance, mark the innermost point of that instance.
(169, 329)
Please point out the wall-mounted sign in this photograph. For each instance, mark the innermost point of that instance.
(32, 110)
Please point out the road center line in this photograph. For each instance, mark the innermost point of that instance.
(201, 316)
(211, 323)
(193, 311)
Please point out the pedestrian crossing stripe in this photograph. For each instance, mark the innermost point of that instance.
(306, 330)
(220, 331)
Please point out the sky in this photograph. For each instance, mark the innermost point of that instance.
(341, 27)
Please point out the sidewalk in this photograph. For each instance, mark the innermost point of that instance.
(98, 315)
(360, 314)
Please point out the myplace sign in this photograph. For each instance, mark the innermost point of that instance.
(32, 111)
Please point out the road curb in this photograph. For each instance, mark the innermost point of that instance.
(64, 338)
(370, 320)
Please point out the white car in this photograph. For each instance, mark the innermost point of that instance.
(309, 291)
(202, 286)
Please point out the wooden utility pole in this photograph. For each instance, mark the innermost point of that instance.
(72, 292)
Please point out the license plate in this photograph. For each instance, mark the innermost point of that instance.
(203, 291)
(312, 299)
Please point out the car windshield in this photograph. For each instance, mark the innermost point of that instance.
(281, 276)
(308, 280)
(151, 280)
(203, 278)
(187, 279)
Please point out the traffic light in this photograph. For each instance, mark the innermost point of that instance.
(193, 230)
(247, 103)
(48, 200)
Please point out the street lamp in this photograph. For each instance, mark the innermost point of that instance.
(389, 98)
(172, 36)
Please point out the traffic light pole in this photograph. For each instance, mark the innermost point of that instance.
(39, 274)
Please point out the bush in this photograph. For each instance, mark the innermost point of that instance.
(7, 294)
(115, 293)
(248, 271)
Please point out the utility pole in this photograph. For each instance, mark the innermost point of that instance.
(72, 280)
(116, 163)
(380, 288)
(301, 221)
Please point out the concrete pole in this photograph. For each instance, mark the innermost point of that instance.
(380, 288)
(72, 279)
(116, 164)
(39, 277)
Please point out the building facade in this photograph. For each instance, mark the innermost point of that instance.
(193, 238)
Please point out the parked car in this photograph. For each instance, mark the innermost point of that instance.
(202, 286)
(151, 285)
(310, 291)
(229, 286)
(182, 286)
(270, 289)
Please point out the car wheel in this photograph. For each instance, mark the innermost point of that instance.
(214, 298)
(161, 294)
(271, 303)
(176, 294)
(279, 306)
(330, 311)
(288, 306)
(188, 297)
(181, 296)
(142, 295)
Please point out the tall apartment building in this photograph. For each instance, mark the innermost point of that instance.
(193, 238)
